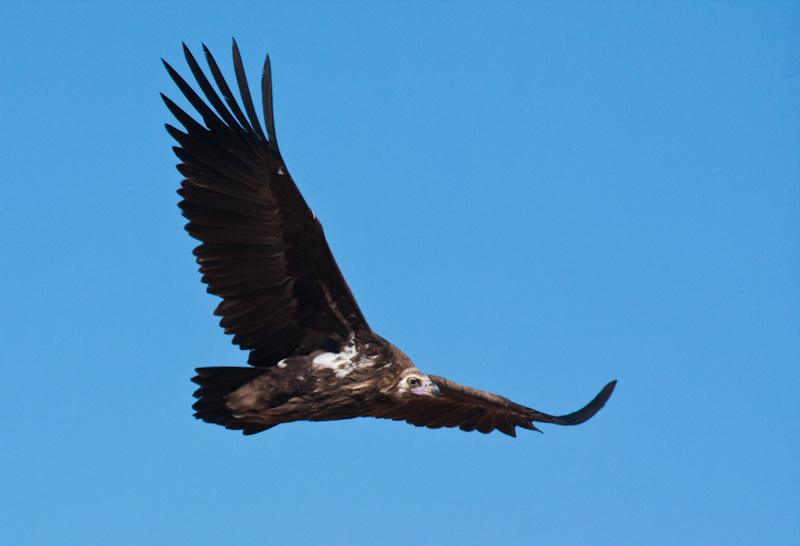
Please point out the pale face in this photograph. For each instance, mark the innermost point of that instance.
(415, 383)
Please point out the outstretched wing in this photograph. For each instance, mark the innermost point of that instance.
(262, 249)
(472, 409)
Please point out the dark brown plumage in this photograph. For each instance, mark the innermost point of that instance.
(313, 355)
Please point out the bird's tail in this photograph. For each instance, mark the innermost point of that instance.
(215, 385)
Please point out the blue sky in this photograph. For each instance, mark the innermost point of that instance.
(529, 198)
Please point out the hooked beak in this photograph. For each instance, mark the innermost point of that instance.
(428, 387)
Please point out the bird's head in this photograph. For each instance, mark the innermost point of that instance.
(415, 383)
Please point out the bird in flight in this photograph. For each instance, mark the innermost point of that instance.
(312, 355)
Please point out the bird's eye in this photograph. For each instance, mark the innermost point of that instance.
(413, 381)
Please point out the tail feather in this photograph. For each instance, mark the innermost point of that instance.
(215, 385)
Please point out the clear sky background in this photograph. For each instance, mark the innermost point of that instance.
(528, 198)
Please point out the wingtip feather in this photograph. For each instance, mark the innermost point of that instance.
(588, 411)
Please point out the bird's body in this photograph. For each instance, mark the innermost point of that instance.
(321, 386)
(313, 355)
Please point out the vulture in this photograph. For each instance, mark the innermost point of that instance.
(311, 354)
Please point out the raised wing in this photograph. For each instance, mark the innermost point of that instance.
(472, 409)
(262, 249)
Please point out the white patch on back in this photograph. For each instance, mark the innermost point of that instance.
(282, 363)
(341, 363)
